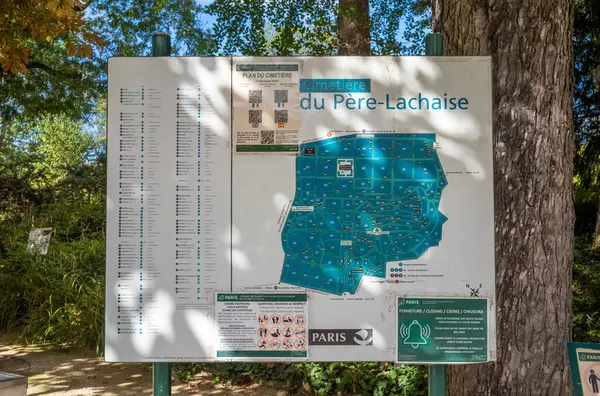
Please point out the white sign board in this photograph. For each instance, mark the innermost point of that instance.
(269, 326)
(375, 183)
(39, 240)
(266, 111)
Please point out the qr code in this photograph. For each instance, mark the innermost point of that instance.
(255, 96)
(267, 137)
(281, 96)
(281, 116)
(255, 116)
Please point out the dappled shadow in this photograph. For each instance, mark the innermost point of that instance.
(80, 372)
(262, 188)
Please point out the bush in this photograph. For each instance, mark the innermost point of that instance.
(586, 291)
(59, 297)
(320, 378)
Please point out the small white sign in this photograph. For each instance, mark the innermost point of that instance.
(262, 326)
(303, 208)
(266, 107)
(39, 240)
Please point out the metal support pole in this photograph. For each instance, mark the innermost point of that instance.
(436, 383)
(434, 46)
(161, 379)
(161, 372)
(161, 44)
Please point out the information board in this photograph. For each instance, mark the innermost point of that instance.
(442, 330)
(584, 360)
(267, 326)
(355, 182)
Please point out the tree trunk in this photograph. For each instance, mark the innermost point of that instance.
(530, 43)
(437, 11)
(354, 27)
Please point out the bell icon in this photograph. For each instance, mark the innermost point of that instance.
(416, 334)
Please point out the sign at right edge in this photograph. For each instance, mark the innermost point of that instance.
(442, 330)
(584, 361)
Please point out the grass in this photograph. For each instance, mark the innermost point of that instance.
(56, 298)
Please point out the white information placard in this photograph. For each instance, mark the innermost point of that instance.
(266, 112)
(39, 240)
(262, 326)
(385, 191)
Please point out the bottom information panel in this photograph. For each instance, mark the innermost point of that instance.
(270, 326)
(442, 330)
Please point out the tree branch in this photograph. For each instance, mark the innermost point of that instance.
(592, 114)
(51, 71)
(82, 8)
(437, 10)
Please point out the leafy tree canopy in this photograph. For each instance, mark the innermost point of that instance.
(57, 80)
(47, 20)
(309, 27)
(586, 45)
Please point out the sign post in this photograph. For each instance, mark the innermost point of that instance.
(161, 372)
(436, 382)
(434, 46)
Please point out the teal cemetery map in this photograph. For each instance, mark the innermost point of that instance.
(361, 200)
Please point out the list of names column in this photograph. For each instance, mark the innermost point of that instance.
(168, 204)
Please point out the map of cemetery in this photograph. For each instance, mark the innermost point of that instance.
(361, 200)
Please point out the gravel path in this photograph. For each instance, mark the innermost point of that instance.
(75, 372)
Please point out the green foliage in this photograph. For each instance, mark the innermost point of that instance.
(51, 160)
(127, 26)
(57, 298)
(275, 27)
(586, 201)
(62, 145)
(390, 18)
(309, 27)
(586, 46)
(321, 379)
(52, 174)
(586, 106)
(55, 83)
(586, 291)
(58, 82)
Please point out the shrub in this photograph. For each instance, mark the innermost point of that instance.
(586, 291)
(59, 297)
(321, 379)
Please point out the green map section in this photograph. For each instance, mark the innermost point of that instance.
(361, 200)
